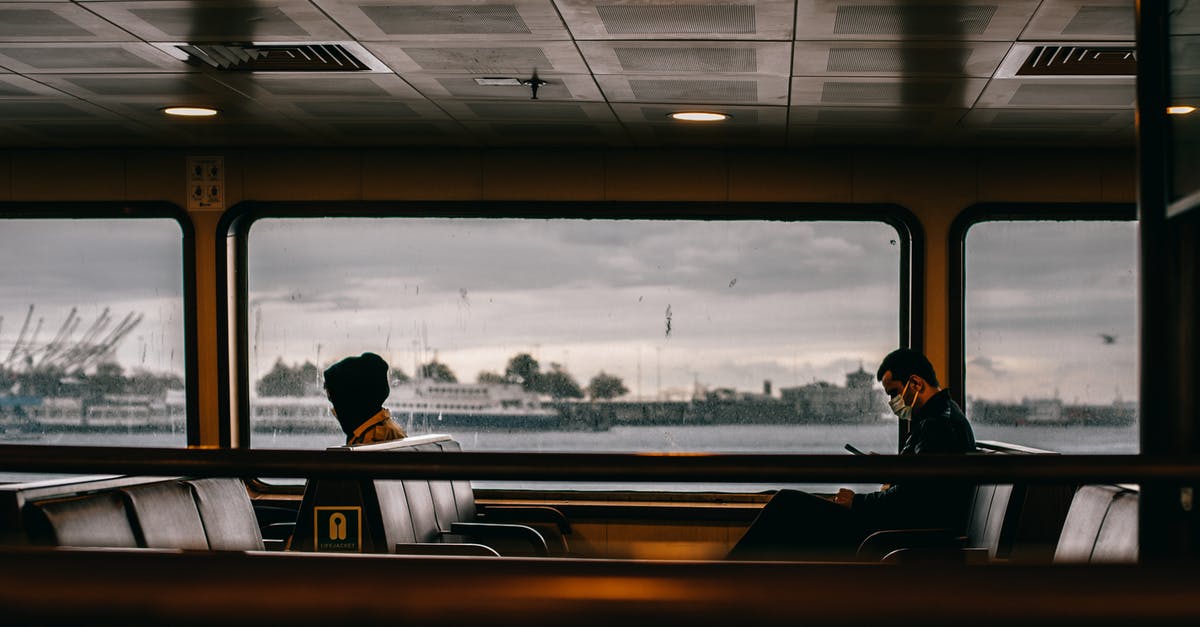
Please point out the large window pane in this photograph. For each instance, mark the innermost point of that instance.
(1051, 334)
(92, 332)
(715, 335)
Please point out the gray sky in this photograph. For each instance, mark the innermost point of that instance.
(125, 265)
(748, 301)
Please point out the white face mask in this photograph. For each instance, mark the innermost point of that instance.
(902, 410)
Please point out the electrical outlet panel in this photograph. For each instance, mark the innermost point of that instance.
(206, 183)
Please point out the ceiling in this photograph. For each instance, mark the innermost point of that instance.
(791, 73)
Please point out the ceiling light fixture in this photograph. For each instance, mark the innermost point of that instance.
(699, 116)
(191, 112)
(1180, 110)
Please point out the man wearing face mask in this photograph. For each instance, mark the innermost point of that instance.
(796, 524)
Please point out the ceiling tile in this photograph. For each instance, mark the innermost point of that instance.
(957, 20)
(679, 57)
(55, 22)
(664, 19)
(723, 89)
(1052, 93)
(519, 58)
(349, 86)
(558, 87)
(16, 86)
(78, 58)
(220, 20)
(885, 92)
(1048, 119)
(873, 117)
(1083, 21)
(917, 58)
(528, 111)
(165, 88)
(447, 20)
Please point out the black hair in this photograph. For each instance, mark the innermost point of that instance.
(357, 387)
(906, 362)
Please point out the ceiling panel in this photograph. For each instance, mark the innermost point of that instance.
(55, 22)
(220, 20)
(710, 89)
(447, 20)
(912, 20)
(663, 19)
(794, 72)
(518, 58)
(885, 92)
(528, 111)
(79, 58)
(921, 58)
(1049, 93)
(557, 87)
(679, 57)
(1082, 20)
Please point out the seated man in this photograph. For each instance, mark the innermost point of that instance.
(357, 387)
(798, 525)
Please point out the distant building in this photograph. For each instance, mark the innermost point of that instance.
(821, 401)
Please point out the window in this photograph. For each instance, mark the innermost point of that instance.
(581, 334)
(92, 332)
(1051, 334)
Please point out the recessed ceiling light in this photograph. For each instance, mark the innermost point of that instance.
(1180, 110)
(191, 112)
(699, 116)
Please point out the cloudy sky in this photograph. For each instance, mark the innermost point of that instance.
(127, 266)
(745, 301)
(1052, 310)
(1051, 307)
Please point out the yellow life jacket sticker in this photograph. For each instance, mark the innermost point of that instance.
(337, 529)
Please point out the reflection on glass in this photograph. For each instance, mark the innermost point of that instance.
(91, 333)
(1185, 91)
(1051, 334)
(580, 335)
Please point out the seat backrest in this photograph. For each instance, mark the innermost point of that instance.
(1087, 517)
(166, 516)
(990, 510)
(390, 499)
(227, 514)
(1117, 540)
(92, 520)
(464, 494)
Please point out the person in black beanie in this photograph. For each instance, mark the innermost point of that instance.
(357, 387)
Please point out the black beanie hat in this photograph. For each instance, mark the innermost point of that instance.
(357, 387)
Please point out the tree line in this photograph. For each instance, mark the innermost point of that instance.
(522, 369)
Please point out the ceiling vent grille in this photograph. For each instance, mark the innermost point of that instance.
(1080, 61)
(276, 58)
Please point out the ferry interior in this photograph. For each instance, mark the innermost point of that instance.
(673, 237)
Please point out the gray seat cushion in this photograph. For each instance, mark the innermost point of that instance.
(96, 520)
(166, 516)
(227, 514)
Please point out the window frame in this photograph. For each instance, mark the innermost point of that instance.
(234, 227)
(141, 210)
(957, 260)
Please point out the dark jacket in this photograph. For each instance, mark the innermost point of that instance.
(938, 428)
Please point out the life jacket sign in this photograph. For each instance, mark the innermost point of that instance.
(337, 529)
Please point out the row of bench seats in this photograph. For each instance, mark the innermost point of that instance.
(408, 516)
(134, 512)
(1101, 525)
